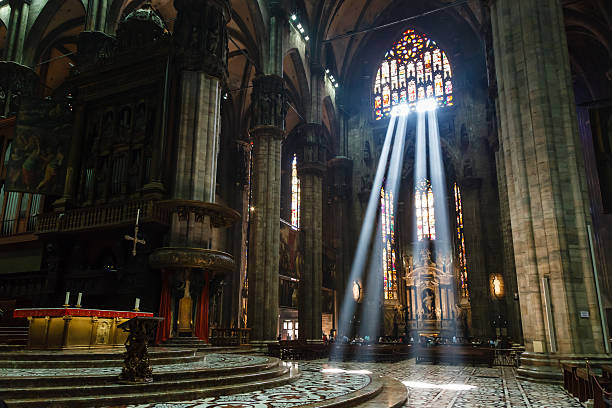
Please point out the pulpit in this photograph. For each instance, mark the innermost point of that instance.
(68, 328)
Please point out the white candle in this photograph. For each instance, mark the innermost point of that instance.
(67, 298)
(79, 299)
(137, 304)
(137, 216)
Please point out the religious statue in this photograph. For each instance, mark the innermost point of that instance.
(428, 301)
(185, 318)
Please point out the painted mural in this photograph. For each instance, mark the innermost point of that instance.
(291, 251)
(39, 152)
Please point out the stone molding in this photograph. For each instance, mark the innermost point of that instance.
(267, 130)
(196, 258)
(220, 215)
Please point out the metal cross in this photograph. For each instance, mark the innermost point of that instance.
(135, 237)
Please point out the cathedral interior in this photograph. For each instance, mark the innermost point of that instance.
(266, 203)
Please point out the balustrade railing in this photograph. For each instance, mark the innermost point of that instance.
(101, 216)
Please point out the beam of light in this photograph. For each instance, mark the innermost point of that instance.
(373, 299)
(438, 186)
(426, 105)
(365, 235)
(400, 110)
(450, 386)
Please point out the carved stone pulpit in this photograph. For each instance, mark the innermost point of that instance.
(136, 366)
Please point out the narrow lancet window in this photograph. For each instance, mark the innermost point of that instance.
(295, 194)
(424, 208)
(388, 245)
(463, 271)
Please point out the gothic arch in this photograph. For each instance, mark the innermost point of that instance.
(38, 30)
(296, 83)
(3, 33)
(330, 121)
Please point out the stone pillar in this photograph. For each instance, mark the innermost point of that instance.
(268, 103)
(16, 30)
(509, 271)
(480, 295)
(201, 53)
(546, 187)
(311, 169)
(341, 172)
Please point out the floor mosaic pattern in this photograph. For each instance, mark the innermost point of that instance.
(427, 386)
(313, 386)
(208, 361)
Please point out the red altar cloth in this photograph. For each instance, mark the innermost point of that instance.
(77, 312)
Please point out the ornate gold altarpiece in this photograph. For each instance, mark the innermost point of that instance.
(70, 328)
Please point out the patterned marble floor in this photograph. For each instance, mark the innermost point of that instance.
(427, 386)
(208, 361)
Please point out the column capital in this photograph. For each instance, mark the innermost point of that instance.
(317, 169)
(340, 163)
(268, 101)
(276, 8)
(200, 36)
(470, 183)
(266, 130)
(316, 69)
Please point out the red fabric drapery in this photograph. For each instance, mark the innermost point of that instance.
(202, 314)
(165, 300)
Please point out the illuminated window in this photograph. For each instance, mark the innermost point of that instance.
(461, 243)
(425, 216)
(414, 68)
(295, 194)
(388, 240)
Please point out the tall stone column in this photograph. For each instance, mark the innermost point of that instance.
(341, 172)
(311, 169)
(16, 30)
(510, 286)
(268, 102)
(546, 187)
(201, 53)
(480, 295)
(95, 19)
(200, 50)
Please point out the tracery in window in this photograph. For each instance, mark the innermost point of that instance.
(461, 243)
(415, 68)
(295, 194)
(388, 241)
(425, 214)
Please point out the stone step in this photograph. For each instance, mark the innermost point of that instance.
(154, 394)
(168, 374)
(393, 395)
(93, 363)
(90, 354)
(112, 386)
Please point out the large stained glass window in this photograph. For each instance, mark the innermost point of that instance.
(295, 194)
(415, 68)
(425, 216)
(461, 243)
(388, 240)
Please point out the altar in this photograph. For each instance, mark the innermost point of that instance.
(71, 328)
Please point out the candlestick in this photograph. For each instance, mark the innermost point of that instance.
(66, 304)
(137, 305)
(78, 304)
(137, 216)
